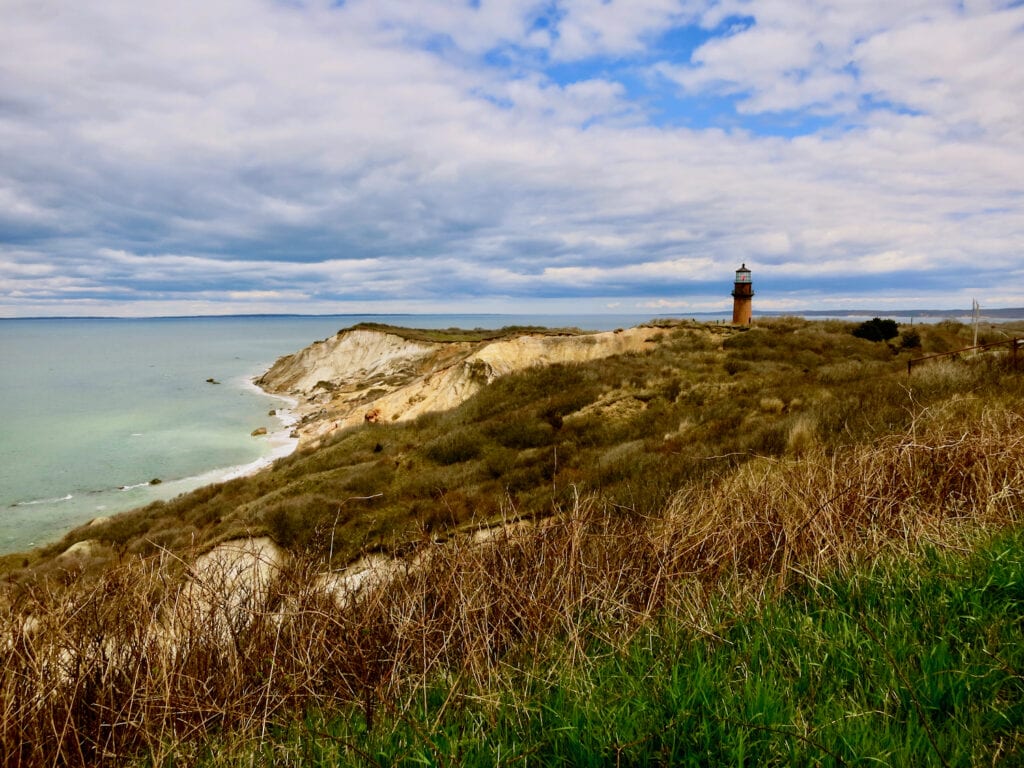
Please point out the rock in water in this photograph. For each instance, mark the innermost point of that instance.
(259, 431)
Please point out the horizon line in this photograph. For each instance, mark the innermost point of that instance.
(956, 311)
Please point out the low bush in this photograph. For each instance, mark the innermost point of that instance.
(910, 339)
(522, 432)
(770, 439)
(877, 329)
(294, 522)
(455, 447)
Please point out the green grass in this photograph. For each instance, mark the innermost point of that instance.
(911, 663)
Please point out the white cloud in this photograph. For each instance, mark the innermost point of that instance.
(616, 27)
(272, 153)
(939, 58)
(964, 69)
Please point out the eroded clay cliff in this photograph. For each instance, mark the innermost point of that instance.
(374, 375)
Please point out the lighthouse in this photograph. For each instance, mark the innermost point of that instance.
(742, 296)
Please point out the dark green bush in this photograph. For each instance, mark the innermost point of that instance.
(877, 329)
(910, 339)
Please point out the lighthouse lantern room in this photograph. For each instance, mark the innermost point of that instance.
(742, 297)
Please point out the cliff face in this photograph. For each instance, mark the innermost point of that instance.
(371, 375)
(352, 357)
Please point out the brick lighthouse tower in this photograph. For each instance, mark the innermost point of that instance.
(742, 297)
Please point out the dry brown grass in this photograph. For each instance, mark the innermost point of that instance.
(940, 481)
(145, 662)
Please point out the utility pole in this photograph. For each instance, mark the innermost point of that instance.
(975, 315)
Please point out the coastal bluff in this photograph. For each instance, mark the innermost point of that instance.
(384, 374)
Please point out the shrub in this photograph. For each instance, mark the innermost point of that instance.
(520, 433)
(848, 371)
(498, 461)
(524, 476)
(769, 440)
(371, 478)
(942, 377)
(877, 329)
(732, 367)
(910, 339)
(293, 522)
(455, 447)
(802, 436)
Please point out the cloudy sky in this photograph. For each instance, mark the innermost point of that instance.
(233, 156)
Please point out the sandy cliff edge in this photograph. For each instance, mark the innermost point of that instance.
(368, 375)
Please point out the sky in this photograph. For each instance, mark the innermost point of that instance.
(513, 156)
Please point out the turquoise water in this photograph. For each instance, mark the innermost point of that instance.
(91, 410)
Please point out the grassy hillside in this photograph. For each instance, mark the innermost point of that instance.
(746, 545)
(633, 429)
(901, 664)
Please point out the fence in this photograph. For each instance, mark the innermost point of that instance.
(1014, 344)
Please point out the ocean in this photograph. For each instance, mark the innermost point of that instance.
(93, 410)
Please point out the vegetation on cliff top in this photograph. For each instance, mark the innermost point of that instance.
(748, 547)
(634, 429)
(463, 334)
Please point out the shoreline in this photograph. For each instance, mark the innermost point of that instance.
(279, 443)
(281, 439)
